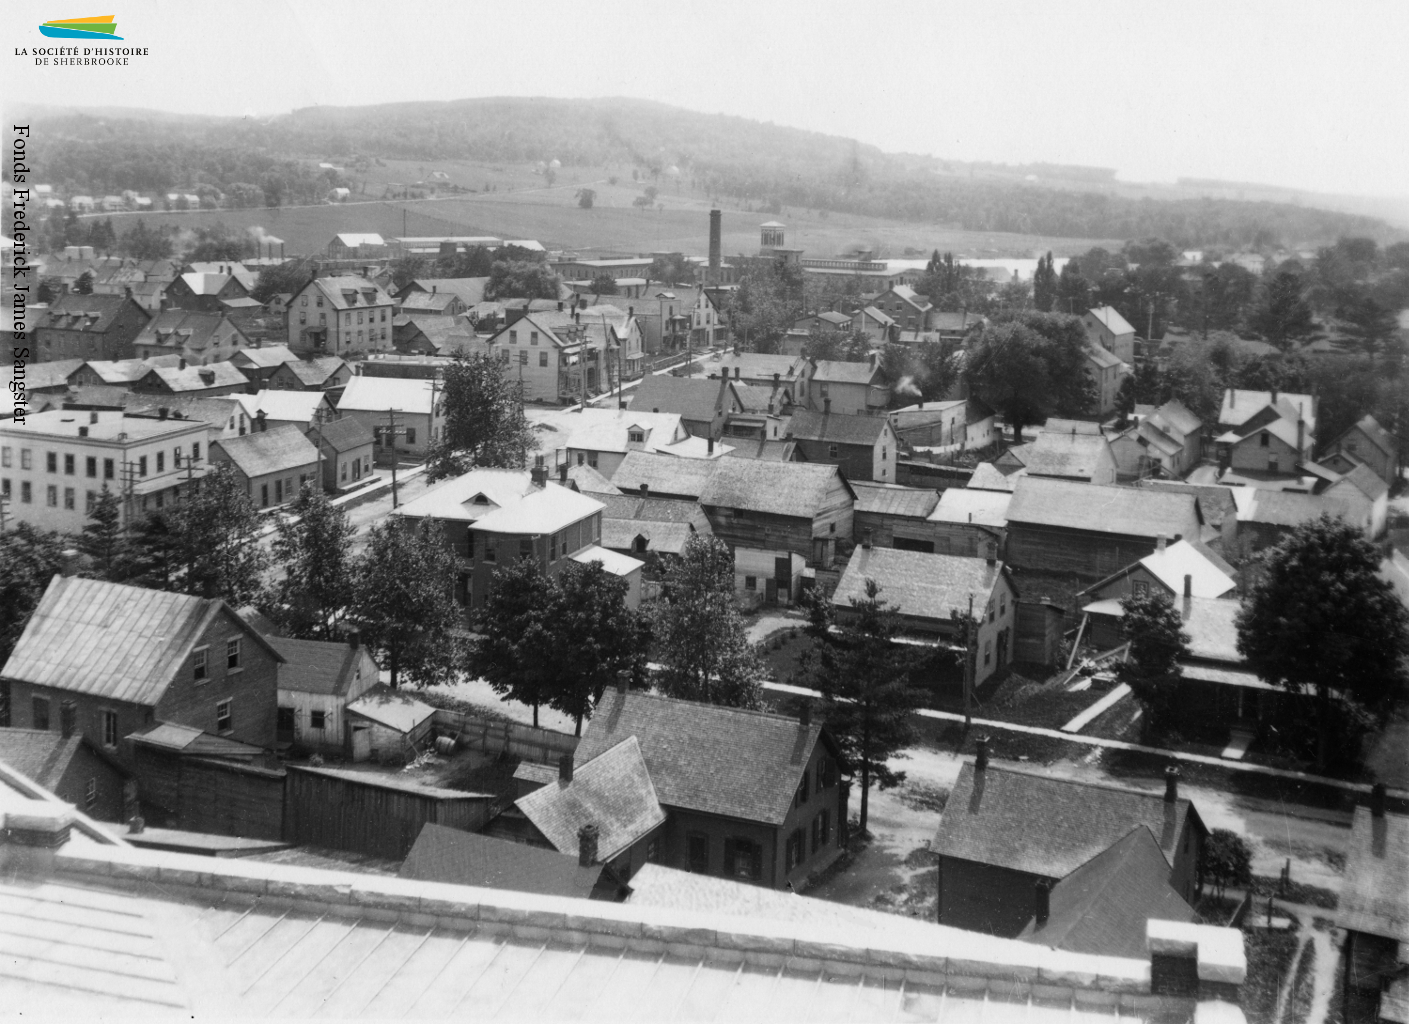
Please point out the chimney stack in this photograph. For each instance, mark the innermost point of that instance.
(539, 473)
(565, 768)
(710, 449)
(354, 639)
(804, 713)
(866, 539)
(181, 363)
(68, 713)
(826, 407)
(1188, 608)
(1377, 800)
(1043, 907)
(645, 490)
(587, 845)
(990, 553)
(1171, 784)
(562, 472)
(981, 754)
(68, 562)
(623, 681)
(1160, 542)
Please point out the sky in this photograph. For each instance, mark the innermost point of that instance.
(1309, 95)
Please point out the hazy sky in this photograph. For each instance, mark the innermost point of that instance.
(1311, 95)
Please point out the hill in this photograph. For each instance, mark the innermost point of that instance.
(752, 165)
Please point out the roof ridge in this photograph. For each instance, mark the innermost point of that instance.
(1110, 787)
(717, 707)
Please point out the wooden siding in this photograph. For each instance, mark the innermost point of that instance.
(984, 897)
(513, 738)
(1038, 633)
(1093, 555)
(346, 814)
(201, 794)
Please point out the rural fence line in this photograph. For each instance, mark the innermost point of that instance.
(495, 737)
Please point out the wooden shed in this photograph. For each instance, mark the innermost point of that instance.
(387, 725)
(368, 812)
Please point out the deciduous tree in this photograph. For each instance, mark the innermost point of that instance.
(484, 420)
(513, 650)
(213, 530)
(29, 559)
(1225, 860)
(311, 548)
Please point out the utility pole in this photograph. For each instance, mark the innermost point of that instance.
(969, 666)
(389, 433)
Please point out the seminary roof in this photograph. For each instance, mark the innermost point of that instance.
(451, 855)
(774, 488)
(612, 790)
(1102, 906)
(40, 754)
(1048, 826)
(704, 757)
(112, 640)
(1101, 509)
(836, 428)
(276, 450)
(917, 584)
(1376, 876)
(894, 500)
(315, 666)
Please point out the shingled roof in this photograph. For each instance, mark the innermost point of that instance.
(1070, 456)
(276, 450)
(689, 398)
(1102, 906)
(1048, 826)
(316, 666)
(111, 640)
(776, 488)
(837, 428)
(344, 435)
(833, 371)
(457, 857)
(918, 584)
(39, 754)
(611, 789)
(704, 757)
(1377, 434)
(664, 474)
(1100, 509)
(75, 312)
(894, 500)
(1376, 876)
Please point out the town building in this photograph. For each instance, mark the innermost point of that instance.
(322, 373)
(1371, 910)
(206, 381)
(893, 516)
(346, 451)
(653, 475)
(340, 316)
(303, 409)
(351, 245)
(317, 682)
(556, 354)
(777, 506)
(88, 327)
(969, 521)
(1369, 442)
(273, 465)
(68, 765)
(908, 309)
(1167, 571)
(120, 659)
(205, 292)
(791, 374)
(1106, 328)
(864, 447)
(259, 362)
(1106, 372)
(637, 526)
(455, 857)
(55, 464)
(702, 405)
(1075, 457)
(873, 323)
(602, 438)
(197, 337)
(403, 415)
(850, 389)
(1005, 831)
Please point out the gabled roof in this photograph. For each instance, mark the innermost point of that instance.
(664, 474)
(175, 328)
(893, 499)
(1048, 826)
(190, 741)
(1068, 456)
(266, 356)
(293, 406)
(837, 428)
(469, 289)
(111, 640)
(315, 372)
(1110, 318)
(434, 302)
(198, 378)
(207, 284)
(74, 312)
(973, 505)
(689, 398)
(1208, 578)
(777, 488)
(316, 666)
(470, 496)
(542, 510)
(1366, 481)
(762, 450)
(756, 366)
(379, 394)
(988, 477)
(349, 291)
(1215, 502)
(872, 313)
(343, 435)
(1291, 508)
(394, 709)
(38, 376)
(1102, 906)
(1377, 434)
(666, 523)
(589, 481)
(704, 757)
(917, 584)
(352, 240)
(1239, 405)
(612, 789)
(1098, 508)
(1103, 358)
(40, 754)
(457, 857)
(904, 291)
(609, 430)
(1376, 876)
(831, 371)
(276, 450)
(1175, 419)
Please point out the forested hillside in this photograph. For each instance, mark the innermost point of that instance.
(273, 162)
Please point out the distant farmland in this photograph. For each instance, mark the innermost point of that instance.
(552, 216)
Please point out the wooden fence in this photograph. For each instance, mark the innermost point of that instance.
(494, 737)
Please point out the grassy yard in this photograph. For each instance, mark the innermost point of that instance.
(1269, 963)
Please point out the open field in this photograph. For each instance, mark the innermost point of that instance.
(524, 207)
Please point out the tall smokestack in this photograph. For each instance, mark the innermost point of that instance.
(716, 220)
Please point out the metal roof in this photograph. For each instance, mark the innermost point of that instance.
(276, 450)
(918, 584)
(1102, 509)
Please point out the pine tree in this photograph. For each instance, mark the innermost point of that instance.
(102, 539)
(1044, 284)
(868, 698)
(153, 553)
(701, 641)
(312, 548)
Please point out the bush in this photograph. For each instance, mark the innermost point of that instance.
(1226, 860)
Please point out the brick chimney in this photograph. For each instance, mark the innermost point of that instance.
(68, 562)
(645, 490)
(354, 639)
(565, 768)
(1171, 784)
(539, 473)
(804, 713)
(623, 681)
(562, 472)
(1042, 908)
(1188, 595)
(981, 754)
(1377, 800)
(587, 845)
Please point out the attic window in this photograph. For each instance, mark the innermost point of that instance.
(636, 436)
(480, 499)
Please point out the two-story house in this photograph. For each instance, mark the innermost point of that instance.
(782, 507)
(1369, 442)
(1106, 372)
(197, 337)
(403, 414)
(258, 363)
(1106, 328)
(55, 464)
(790, 374)
(193, 381)
(863, 446)
(601, 438)
(117, 660)
(906, 307)
(346, 447)
(205, 291)
(702, 405)
(851, 389)
(552, 354)
(88, 327)
(340, 316)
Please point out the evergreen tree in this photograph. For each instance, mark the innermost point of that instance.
(311, 547)
(403, 601)
(701, 641)
(214, 530)
(1044, 284)
(1073, 290)
(867, 693)
(1319, 616)
(484, 420)
(103, 540)
(29, 560)
(153, 553)
(1283, 315)
(84, 284)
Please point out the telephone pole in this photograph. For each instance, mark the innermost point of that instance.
(389, 432)
(969, 666)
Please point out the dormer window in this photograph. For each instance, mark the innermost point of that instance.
(636, 436)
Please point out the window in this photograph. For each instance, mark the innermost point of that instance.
(26, 492)
(39, 716)
(513, 337)
(53, 496)
(697, 855)
(142, 465)
(1002, 604)
(523, 357)
(200, 664)
(303, 300)
(990, 611)
(90, 468)
(90, 795)
(383, 321)
(490, 547)
(826, 773)
(6, 456)
(109, 728)
(232, 653)
(653, 850)
(69, 498)
(543, 359)
(750, 582)
(196, 452)
(821, 831)
(26, 459)
(161, 462)
(223, 720)
(109, 469)
(533, 337)
(322, 318)
(525, 547)
(743, 858)
(68, 465)
(5, 488)
(302, 317)
(1141, 588)
(347, 319)
(831, 451)
(637, 436)
(553, 548)
(800, 797)
(797, 849)
(1264, 439)
(359, 317)
(318, 720)
(410, 435)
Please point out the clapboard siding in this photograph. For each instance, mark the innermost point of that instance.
(204, 795)
(1092, 555)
